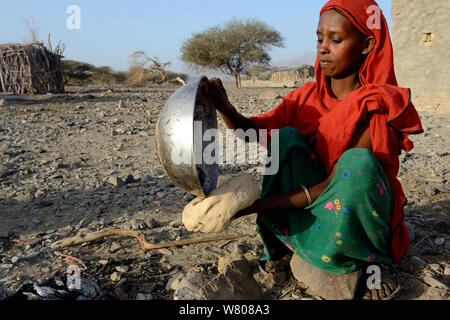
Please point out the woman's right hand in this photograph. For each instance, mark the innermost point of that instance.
(232, 118)
(219, 96)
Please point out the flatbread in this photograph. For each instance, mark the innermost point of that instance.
(213, 214)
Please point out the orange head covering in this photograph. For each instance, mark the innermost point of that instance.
(330, 123)
(367, 16)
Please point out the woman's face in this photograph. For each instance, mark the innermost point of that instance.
(340, 45)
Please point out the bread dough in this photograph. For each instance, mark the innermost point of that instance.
(213, 214)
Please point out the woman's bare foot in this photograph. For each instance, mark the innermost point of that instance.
(277, 270)
(387, 289)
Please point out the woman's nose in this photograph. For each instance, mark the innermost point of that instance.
(323, 47)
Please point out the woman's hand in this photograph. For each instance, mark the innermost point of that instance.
(254, 208)
(232, 118)
(219, 96)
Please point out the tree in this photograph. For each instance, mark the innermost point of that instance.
(139, 60)
(75, 72)
(232, 48)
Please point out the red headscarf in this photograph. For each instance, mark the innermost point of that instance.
(330, 123)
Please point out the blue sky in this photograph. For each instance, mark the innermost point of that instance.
(112, 30)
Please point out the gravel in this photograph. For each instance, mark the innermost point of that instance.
(79, 163)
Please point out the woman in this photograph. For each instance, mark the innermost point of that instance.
(336, 201)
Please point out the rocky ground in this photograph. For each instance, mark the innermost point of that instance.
(86, 161)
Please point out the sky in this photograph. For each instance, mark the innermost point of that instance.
(109, 31)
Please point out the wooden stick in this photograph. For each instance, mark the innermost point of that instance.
(92, 236)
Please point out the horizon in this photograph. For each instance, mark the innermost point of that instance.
(110, 32)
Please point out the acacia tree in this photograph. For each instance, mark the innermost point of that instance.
(232, 48)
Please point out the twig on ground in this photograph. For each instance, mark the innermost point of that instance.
(423, 239)
(89, 237)
(29, 240)
(71, 260)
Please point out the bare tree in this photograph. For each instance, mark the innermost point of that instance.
(139, 59)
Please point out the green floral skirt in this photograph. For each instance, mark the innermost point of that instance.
(347, 226)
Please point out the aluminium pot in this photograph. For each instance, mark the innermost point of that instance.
(180, 151)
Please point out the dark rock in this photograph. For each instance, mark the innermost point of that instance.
(431, 191)
(50, 293)
(130, 179)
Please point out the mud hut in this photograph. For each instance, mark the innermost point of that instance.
(30, 69)
(292, 73)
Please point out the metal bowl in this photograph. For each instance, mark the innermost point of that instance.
(180, 152)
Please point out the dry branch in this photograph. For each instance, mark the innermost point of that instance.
(183, 83)
(92, 236)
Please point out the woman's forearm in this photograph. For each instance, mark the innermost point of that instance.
(234, 120)
(296, 199)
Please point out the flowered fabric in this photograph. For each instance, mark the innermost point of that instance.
(346, 226)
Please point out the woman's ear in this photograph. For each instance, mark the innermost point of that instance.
(369, 43)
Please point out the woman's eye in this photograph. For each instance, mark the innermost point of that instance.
(319, 40)
(337, 41)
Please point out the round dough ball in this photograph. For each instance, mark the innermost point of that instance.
(213, 214)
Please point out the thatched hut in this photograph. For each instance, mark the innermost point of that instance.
(30, 69)
(296, 73)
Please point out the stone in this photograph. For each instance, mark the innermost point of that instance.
(189, 287)
(447, 271)
(436, 292)
(144, 297)
(115, 247)
(3, 103)
(89, 289)
(175, 224)
(130, 179)
(39, 194)
(174, 281)
(439, 241)
(165, 251)
(433, 282)
(235, 282)
(50, 293)
(147, 178)
(417, 261)
(153, 223)
(15, 259)
(434, 266)
(115, 276)
(270, 95)
(225, 261)
(116, 182)
(428, 251)
(123, 269)
(431, 191)
(411, 232)
(329, 286)
(4, 234)
(188, 197)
